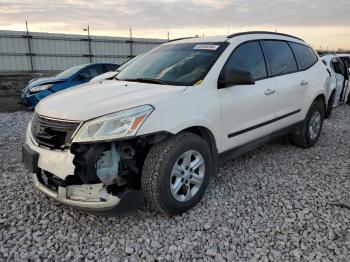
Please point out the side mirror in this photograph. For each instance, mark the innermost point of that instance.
(235, 77)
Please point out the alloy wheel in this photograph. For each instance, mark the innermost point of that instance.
(187, 175)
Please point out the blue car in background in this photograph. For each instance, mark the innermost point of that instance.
(39, 88)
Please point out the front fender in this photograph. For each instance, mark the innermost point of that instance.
(190, 109)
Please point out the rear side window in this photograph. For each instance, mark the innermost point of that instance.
(280, 57)
(248, 57)
(305, 56)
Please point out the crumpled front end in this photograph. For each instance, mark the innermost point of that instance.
(93, 177)
(32, 99)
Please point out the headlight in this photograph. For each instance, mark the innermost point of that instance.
(40, 88)
(116, 125)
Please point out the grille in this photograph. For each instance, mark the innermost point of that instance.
(52, 133)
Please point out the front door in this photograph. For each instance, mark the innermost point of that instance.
(248, 111)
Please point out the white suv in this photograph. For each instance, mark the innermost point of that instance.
(157, 131)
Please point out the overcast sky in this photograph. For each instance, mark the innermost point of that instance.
(322, 22)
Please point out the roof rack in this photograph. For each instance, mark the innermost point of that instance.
(262, 32)
(182, 38)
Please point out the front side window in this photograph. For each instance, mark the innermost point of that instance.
(304, 55)
(248, 57)
(280, 57)
(92, 71)
(175, 64)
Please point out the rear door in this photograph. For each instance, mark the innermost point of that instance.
(248, 111)
(291, 85)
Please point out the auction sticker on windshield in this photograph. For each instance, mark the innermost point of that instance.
(206, 47)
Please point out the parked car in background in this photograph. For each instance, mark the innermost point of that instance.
(158, 130)
(338, 81)
(40, 88)
(111, 74)
(346, 59)
(346, 94)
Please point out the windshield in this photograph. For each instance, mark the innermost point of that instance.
(177, 64)
(69, 72)
(127, 63)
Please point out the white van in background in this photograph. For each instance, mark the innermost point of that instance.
(338, 81)
(346, 94)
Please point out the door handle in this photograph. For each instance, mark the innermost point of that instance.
(303, 83)
(270, 91)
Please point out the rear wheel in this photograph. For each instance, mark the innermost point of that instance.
(176, 173)
(308, 133)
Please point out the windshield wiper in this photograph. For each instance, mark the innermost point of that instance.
(147, 80)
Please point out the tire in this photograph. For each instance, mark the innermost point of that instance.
(304, 137)
(159, 175)
(330, 106)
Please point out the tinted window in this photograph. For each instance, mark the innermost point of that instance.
(280, 57)
(305, 56)
(111, 67)
(338, 67)
(248, 57)
(346, 60)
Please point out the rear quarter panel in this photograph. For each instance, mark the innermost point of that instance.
(319, 84)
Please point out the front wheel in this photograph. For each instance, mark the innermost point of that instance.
(176, 173)
(308, 133)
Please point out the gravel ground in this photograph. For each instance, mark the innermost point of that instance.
(278, 202)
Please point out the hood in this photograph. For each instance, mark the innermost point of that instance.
(43, 81)
(96, 99)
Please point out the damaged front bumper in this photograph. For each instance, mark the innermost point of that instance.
(89, 197)
(93, 197)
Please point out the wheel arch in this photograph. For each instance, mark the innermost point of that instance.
(209, 137)
(321, 97)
